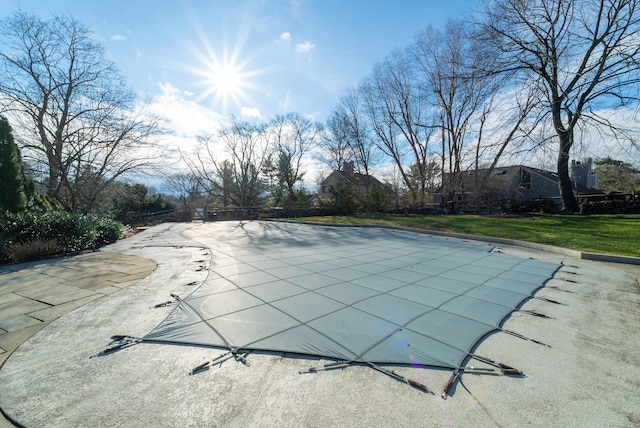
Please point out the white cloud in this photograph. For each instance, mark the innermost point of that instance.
(251, 112)
(285, 37)
(305, 47)
(118, 37)
(186, 117)
(185, 121)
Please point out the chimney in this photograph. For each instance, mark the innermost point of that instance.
(581, 173)
(347, 169)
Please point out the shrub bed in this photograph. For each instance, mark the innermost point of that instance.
(32, 235)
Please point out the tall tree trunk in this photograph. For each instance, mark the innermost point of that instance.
(569, 202)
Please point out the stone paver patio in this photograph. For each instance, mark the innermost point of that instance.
(34, 294)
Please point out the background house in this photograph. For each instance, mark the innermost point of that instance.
(347, 177)
(511, 183)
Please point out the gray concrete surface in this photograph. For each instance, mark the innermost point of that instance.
(34, 294)
(590, 376)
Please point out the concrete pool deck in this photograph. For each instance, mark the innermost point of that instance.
(589, 376)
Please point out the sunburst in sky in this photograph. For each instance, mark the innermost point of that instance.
(225, 77)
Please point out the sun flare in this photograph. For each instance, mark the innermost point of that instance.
(225, 81)
(223, 68)
(224, 76)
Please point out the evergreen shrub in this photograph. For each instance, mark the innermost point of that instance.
(39, 231)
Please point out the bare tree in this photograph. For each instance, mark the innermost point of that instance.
(581, 55)
(236, 178)
(117, 144)
(393, 105)
(334, 143)
(515, 127)
(292, 136)
(186, 187)
(357, 128)
(72, 109)
(450, 62)
(204, 167)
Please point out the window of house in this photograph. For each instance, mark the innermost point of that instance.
(525, 179)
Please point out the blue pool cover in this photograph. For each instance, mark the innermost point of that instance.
(347, 293)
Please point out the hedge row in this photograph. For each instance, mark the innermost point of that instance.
(28, 235)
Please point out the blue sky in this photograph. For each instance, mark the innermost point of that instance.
(250, 58)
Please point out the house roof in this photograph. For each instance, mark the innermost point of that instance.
(360, 179)
(497, 180)
(554, 177)
(501, 176)
(355, 178)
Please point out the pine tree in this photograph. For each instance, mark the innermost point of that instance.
(12, 180)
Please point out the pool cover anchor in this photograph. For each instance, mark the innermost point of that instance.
(461, 370)
(535, 314)
(242, 358)
(545, 299)
(176, 299)
(327, 367)
(498, 368)
(118, 342)
(519, 336)
(163, 304)
(401, 378)
(344, 364)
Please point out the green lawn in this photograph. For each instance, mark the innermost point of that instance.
(611, 234)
